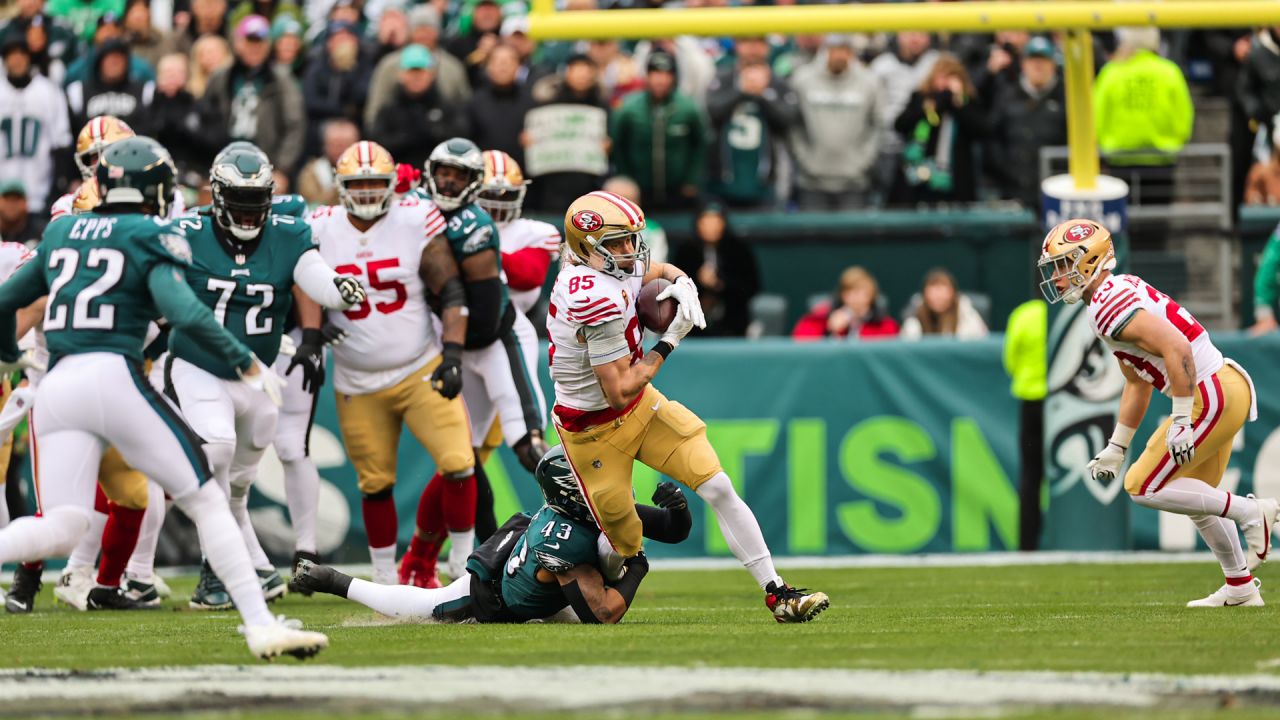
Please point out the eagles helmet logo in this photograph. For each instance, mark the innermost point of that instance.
(588, 220)
(1078, 233)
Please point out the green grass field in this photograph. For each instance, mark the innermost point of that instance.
(1066, 618)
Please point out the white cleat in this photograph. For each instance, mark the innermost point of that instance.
(1232, 596)
(283, 637)
(162, 588)
(74, 585)
(1258, 533)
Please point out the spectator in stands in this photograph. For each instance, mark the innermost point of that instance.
(1003, 66)
(941, 126)
(418, 117)
(803, 50)
(40, 157)
(655, 236)
(85, 17)
(393, 31)
(288, 52)
(1262, 187)
(835, 145)
(316, 182)
(697, 66)
(110, 27)
(17, 223)
(337, 80)
(1027, 116)
(941, 309)
(272, 10)
(1142, 111)
(451, 75)
(724, 269)
(515, 32)
(1266, 288)
(207, 17)
(899, 71)
(659, 139)
(495, 113)
(751, 121)
(1258, 86)
(52, 44)
(259, 102)
(577, 85)
(619, 74)
(473, 45)
(210, 54)
(110, 91)
(856, 311)
(144, 40)
(178, 122)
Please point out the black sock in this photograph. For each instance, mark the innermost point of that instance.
(486, 521)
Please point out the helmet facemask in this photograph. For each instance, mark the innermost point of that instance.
(241, 211)
(1054, 268)
(611, 263)
(87, 161)
(503, 202)
(369, 200)
(452, 192)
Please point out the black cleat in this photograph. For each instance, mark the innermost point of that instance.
(22, 593)
(105, 598)
(298, 557)
(311, 577)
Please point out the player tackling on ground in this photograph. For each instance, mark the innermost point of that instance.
(1160, 345)
(608, 414)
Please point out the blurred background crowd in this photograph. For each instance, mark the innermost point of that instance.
(709, 127)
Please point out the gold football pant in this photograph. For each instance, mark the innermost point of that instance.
(371, 425)
(1221, 408)
(662, 434)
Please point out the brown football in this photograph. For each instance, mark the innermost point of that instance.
(654, 314)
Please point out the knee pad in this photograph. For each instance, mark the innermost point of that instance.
(376, 486)
(263, 430)
(220, 455)
(67, 523)
(457, 464)
(290, 449)
(459, 475)
(530, 449)
(718, 489)
(376, 496)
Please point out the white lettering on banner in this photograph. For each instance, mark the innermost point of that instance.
(566, 138)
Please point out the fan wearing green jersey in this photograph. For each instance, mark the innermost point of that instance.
(246, 262)
(554, 565)
(107, 274)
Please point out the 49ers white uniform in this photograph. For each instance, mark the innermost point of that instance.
(584, 297)
(1224, 395)
(522, 235)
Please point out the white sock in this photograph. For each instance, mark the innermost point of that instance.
(740, 529)
(223, 547)
(384, 561)
(142, 564)
(302, 494)
(1222, 537)
(461, 545)
(4, 509)
(86, 551)
(54, 534)
(406, 601)
(240, 510)
(1189, 496)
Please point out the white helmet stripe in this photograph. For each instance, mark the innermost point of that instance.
(623, 204)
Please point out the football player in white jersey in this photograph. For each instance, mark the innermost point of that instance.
(607, 411)
(529, 247)
(96, 136)
(1160, 346)
(395, 367)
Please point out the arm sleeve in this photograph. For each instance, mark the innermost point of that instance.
(315, 277)
(526, 269)
(1264, 281)
(21, 289)
(663, 525)
(176, 302)
(606, 342)
(484, 308)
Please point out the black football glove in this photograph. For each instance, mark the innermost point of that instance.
(333, 335)
(350, 289)
(310, 355)
(668, 496)
(447, 378)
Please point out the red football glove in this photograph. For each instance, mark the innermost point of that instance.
(407, 178)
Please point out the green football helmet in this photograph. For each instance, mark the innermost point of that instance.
(242, 180)
(452, 193)
(560, 487)
(137, 170)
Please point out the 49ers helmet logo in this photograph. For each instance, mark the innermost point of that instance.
(1078, 233)
(587, 220)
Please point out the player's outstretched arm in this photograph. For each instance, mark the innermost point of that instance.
(30, 316)
(23, 288)
(669, 522)
(319, 282)
(597, 603)
(179, 305)
(480, 272)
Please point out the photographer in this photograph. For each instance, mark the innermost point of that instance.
(941, 125)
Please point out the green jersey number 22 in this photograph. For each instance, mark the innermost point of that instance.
(83, 315)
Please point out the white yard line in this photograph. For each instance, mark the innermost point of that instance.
(584, 688)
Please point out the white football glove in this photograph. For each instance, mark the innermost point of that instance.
(679, 327)
(1105, 467)
(288, 347)
(689, 306)
(265, 380)
(1180, 440)
(27, 359)
(16, 408)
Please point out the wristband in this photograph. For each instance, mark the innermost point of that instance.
(312, 336)
(1263, 312)
(664, 348)
(1123, 435)
(1182, 406)
(452, 352)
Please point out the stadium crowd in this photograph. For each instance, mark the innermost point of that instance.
(715, 126)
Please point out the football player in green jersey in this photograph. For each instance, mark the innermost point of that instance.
(107, 274)
(246, 262)
(553, 565)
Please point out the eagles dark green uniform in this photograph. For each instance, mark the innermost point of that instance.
(250, 294)
(553, 542)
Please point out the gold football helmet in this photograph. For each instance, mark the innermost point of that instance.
(371, 166)
(1076, 250)
(94, 137)
(598, 218)
(503, 188)
(87, 197)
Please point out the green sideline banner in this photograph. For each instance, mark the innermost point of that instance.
(888, 447)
